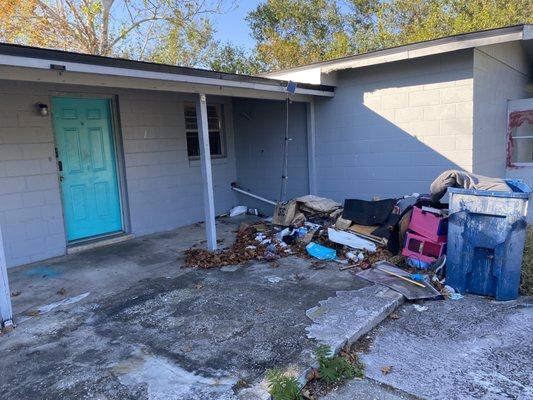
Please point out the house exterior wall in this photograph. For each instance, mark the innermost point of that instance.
(164, 187)
(391, 129)
(501, 73)
(259, 137)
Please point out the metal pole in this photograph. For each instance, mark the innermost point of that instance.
(207, 176)
(6, 312)
(253, 196)
(284, 177)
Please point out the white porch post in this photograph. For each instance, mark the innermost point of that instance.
(6, 313)
(311, 146)
(207, 176)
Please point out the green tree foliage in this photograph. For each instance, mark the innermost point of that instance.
(376, 23)
(173, 31)
(293, 32)
(234, 59)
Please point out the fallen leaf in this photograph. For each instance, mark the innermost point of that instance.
(394, 316)
(32, 313)
(313, 375)
(187, 349)
(62, 292)
(15, 294)
(199, 286)
(386, 369)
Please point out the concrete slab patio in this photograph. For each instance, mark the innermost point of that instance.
(132, 323)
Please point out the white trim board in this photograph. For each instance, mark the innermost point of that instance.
(98, 72)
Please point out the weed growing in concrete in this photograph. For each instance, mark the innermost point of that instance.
(526, 284)
(281, 386)
(333, 369)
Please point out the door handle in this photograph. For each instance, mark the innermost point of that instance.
(61, 178)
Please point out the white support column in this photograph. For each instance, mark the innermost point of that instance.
(207, 176)
(311, 146)
(6, 313)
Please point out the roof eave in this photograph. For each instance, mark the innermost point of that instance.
(419, 49)
(43, 59)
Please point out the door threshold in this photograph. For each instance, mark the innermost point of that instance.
(99, 242)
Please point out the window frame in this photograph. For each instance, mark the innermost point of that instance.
(514, 140)
(221, 131)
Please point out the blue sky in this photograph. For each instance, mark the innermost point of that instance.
(231, 27)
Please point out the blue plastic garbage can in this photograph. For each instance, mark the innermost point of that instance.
(486, 236)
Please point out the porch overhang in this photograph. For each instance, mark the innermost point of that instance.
(53, 66)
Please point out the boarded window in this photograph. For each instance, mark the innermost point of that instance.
(214, 122)
(521, 136)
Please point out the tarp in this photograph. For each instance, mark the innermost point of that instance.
(465, 180)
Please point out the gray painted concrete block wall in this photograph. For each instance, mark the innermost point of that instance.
(30, 204)
(164, 187)
(501, 73)
(391, 129)
(259, 137)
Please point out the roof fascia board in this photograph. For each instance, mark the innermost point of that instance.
(413, 50)
(44, 64)
(425, 51)
(124, 82)
(528, 32)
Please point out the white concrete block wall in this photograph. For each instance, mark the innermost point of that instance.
(501, 73)
(391, 129)
(164, 187)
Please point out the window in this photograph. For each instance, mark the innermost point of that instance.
(214, 122)
(521, 125)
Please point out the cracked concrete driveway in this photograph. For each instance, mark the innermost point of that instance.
(142, 327)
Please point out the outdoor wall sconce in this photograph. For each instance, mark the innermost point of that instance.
(43, 109)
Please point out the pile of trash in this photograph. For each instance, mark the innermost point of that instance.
(259, 241)
(400, 242)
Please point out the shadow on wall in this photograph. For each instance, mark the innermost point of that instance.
(391, 129)
(259, 127)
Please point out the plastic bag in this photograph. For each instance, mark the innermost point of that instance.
(320, 252)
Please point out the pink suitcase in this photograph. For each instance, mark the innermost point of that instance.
(428, 224)
(422, 248)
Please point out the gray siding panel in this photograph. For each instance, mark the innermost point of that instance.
(391, 129)
(259, 137)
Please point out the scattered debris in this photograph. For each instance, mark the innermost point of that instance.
(351, 240)
(199, 286)
(399, 280)
(321, 252)
(16, 293)
(386, 369)
(394, 316)
(61, 292)
(238, 210)
(420, 308)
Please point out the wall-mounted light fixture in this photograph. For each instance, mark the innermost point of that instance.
(43, 109)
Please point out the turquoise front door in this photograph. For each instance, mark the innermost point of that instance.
(87, 169)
